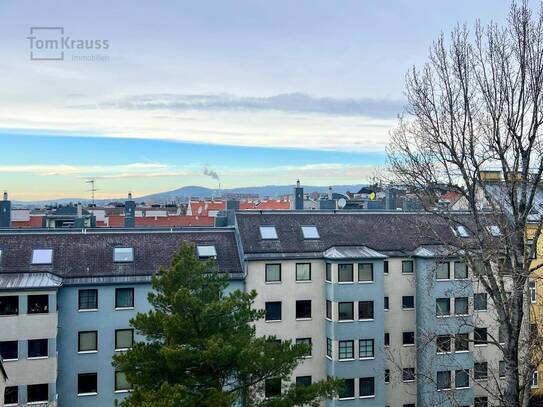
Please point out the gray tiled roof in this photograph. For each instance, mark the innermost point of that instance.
(90, 254)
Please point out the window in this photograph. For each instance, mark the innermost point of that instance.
(310, 232)
(123, 254)
(408, 374)
(88, 341)
(11, 395)
(479, 336)
(206, 252)
(387, 339)
(480, 370)
(460, 270)
(303, 272)
(124, 298)
(365, 310)
(272, 387)
(88, 299)
(479, 302)
(531, 285)
(461, 342)
(273, 273)
(461, 379)
(328, 276)
(42, 256)
(494, 230)
(346, 311)
(460, 231)
(38, 304)
(501, 334)
(367, 386)
(305, 341)
(121, 382)
(87, 383)
(9, 305)
(365, 272)
(501, 369)
(535, 379)
(348, 390)
(346, 350)
(345, 273)
(385, 267)
(387, 375)
(443, 343)
(9, 350)
(273, 311)
(328, 309)
(37, 348)
(303, 309)
(303, 381)
(443, 380)
(443, 307)
(461, 306)
(442, 271)
(37, 392)
(268, 232)
(480, 402)
(329, 347)
(387, 304)
(407, 266)
(124, 339)
(365, 348)
(408, 302)
(408, 338)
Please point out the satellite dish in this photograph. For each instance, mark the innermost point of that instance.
(341, 202)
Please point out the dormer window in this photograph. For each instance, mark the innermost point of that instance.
(310, 232)
(494, 230)
(42, 256)
(123, 254)
(268, 232)
(206, 252)
(460, 231)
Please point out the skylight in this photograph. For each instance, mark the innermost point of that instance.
(206, 251)
(460, 231)
(494, 230)
(268, 232)
(310, 232)
(123, 254)
(42, 256)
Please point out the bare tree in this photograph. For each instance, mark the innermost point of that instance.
(477, 104)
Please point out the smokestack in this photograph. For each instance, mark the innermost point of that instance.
(5, 212)
(298, 197)
(129, 212)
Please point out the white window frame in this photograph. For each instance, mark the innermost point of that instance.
(42, 256)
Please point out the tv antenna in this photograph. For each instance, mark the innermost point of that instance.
(93, 189)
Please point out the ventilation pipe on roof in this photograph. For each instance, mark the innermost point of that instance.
(5, 212)
(129, 212)
(298, 197)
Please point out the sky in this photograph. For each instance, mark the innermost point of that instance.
(153, 96)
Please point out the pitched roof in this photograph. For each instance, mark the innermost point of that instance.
(116, 221)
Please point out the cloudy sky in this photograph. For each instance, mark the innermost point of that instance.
(260, 92)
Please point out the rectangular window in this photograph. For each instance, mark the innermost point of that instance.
(87, 383)
(272, 387)
(124, 298)
(387, 339)
(367, 386)
(310, 232)
(365, 272)
(533, 298)
(408, 374)
(37, 393)
(461, 306)
(9, 350)
(461, 342)
(346, 350)
(305, 341)
(88, 299)
(273, 311)
(408, 302)
(123, 254)
(443, 307)
(9, 305)
(365, 309)
(387, 304)
(303, 309)
(347, 391)
(479, 336)
(501, 369)
(501, 333)
(385, 267)
(38, 348)
(303, 381)
(480, 402)
(408, 338)
(328, 276)
(42, 256)
(365, 348)
(303, 271)
(443, 380)
(268, 232)
(88, 341)
(345, 273)
(461, 379)
(407, 266)
(206, 251)
(443, 343)
(328, 309)
(273, 273)
(387, 376)
(38, 304)
(480, 370)
(346, 311)
(121, 382)
(11, 395)
(479, 302)
(442, 271)
(460, 270)
(329, 348)
(124, 339)
(535, 379)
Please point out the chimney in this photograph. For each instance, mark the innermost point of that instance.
(330, 192)
(129, 212)
(5, 212)
(79, 222)
(298, 197)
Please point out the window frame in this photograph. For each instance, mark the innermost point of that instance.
(328, 272)
(366, 302)
(118, 260)
(116, 382)
(11, 390)
(310, 229)
(440, 340)
(306, 341)
(37, 259)
(117, 348)
(339, 311)
(404, 263)
(86, 290)
(411, 334)
(347, 357)
(372, 347)
(372, 275)
(41, 342)
(35, 386)
(29, 309)
(16, 302)
(456, 374)
(371, 381)
(461, 338)
(339, 269)
(460, 299)
(271, 384)
(441, 265)
(270, 303)
(301, 306)
(477, 372)
(478, 331)
(439, 313)
(269, 265)
(83, 375)
(465, 269)
(79, 333)
(349, 387)
(480, 295)
(16, 347)
(403, 302)
(408, 375)
(268, 228)
(449, 380)
(298, 280)
(119, 289)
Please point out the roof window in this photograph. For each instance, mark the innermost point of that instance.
(123, 254)
(268, 232)
(42, 256)
(310, 232)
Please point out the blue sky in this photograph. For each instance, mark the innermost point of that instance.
(260, 92)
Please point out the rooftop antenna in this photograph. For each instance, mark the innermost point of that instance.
(93, 189)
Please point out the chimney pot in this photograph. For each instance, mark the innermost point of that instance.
(5, 195)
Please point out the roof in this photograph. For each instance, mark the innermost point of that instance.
(117, 221)
(352, 252)
(11, 281)
(89, 253)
